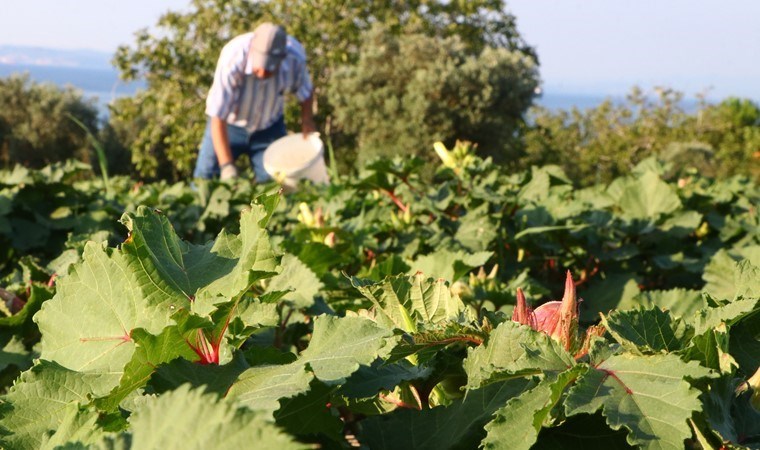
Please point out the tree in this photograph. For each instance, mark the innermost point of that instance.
(177, 59)
(35, 123)
(408, 91)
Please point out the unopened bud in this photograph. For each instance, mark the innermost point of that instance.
(567, 324)
(444, 154)
(305, 216)
(523, 314)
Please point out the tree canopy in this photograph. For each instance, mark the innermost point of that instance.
(406, 92)
(35, 122)
(177, 59)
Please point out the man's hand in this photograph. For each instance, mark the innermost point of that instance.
(229, 171)
(308, 127)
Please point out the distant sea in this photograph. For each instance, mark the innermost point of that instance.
(104, 85)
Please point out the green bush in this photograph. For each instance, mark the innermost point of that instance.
(35, 123)
(602, 143)
(408, 91)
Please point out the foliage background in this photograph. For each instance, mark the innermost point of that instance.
(177, 61)
(35, 128)
(432, 71)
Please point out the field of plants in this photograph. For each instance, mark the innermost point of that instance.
(395, 309)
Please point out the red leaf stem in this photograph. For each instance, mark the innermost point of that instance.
(396, 200)
(610, 373)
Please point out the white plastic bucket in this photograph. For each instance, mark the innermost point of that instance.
(293, 158)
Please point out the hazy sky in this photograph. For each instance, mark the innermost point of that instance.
(79, 24)
(608, 45)
(585, 46)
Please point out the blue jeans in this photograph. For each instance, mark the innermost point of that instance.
(241, 143)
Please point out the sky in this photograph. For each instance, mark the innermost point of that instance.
(585, 46)
(609, 45)
(79, 24)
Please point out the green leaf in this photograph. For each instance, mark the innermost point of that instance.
(446, 264)
(717, 283)
(190, 416)
(309, 414)
(644, 331)
(296, 277)
(338, 347)
(583, 431)
(537, 188)
(369, 380)
(730, 313)
(150, 352)
(645, 197)
(476, 230)
(729, 415)
(214, 378)
(174, 271)
(682, 224)
(745, 279)
(711, 350)
(259, 388)
(14, 353)
(170, 270)
(546, 229)
(516, 425)
(617, 291)
(648, 395)
(459, 425)
(514, 350)
(726, 278)
(86, 326)
(404, 301)
(39, 402)
(429, 340)
(745, 345)
(679, 302)
(78, 426)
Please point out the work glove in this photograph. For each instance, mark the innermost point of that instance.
(229, 171)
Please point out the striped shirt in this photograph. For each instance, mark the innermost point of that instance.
(242, 99)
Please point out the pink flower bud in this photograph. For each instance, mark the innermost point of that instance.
(559, 319)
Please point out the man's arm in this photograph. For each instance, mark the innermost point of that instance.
(307, 116)
(222, 150)
(221, 141)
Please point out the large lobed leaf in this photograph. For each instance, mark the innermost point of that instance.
(648, 395)
(42, 399)
(515, 350)
(647, 331)
(516, 424)
(457, 426)
(338, 347)
(88, 325)
(188, 417)
(644, 197)
(405, 301)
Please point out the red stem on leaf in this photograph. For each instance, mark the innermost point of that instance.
(396, 200)
(400, 403)
(610, 373)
